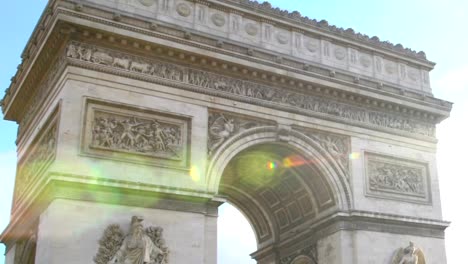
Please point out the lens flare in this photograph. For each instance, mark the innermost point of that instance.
(272, 165)
(293, 161)
(354, 156)
(195, 174)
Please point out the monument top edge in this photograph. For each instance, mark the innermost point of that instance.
(266, 9)
(264, 14)
(323, 25)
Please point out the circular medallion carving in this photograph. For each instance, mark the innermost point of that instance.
(147, 2)
(183, 9)
(340, 53)
(365, 61)
(251, 29)
(390, 68)
(312, 46)
(282, 38)
(218, 19)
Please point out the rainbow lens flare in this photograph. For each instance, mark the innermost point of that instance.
(293, 161)
(272, 165)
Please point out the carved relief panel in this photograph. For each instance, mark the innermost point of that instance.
(222, 126)
(38, 157)
(395, 178)
(136, 135)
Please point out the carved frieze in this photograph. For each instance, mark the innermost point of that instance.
(39, 156)
(222, 126)
(395, 178)
(247, 89)
(137, 135)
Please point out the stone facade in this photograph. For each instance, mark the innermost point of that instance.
(324, 138)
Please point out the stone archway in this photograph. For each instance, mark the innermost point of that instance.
(100, 83)
(284, 183)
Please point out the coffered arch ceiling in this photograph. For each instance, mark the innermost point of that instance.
(279, 190)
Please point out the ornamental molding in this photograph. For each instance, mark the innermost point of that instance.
(323, 25)
(249, 29)
(155, 29)
(25, 247)
(130, 133)
(397, 178)
(308, 255)
(237, 89)
(41, 95)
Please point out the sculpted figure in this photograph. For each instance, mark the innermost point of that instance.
(128, 131)
(137, 247)
(221, 129)
(409, 255)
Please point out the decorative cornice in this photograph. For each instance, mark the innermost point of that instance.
(356, 221)
(323, 25)
(53, 186)
(228, 48)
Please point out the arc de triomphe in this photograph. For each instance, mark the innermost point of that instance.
(138, 118)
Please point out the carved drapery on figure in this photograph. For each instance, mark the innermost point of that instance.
(409, 255)
(222, 126)
(139, 246)
(246, 89)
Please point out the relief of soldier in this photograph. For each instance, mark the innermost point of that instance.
(403, 179)
(133, 134)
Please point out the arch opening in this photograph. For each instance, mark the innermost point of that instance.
(236, 238)
(279, 189)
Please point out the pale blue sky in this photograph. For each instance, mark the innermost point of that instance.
(437, 27)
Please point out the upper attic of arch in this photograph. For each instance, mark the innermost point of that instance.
(287, 34)
(264, 32)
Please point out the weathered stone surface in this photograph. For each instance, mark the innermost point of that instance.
(165, 109)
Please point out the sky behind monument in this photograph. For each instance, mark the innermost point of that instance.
(437, 27)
